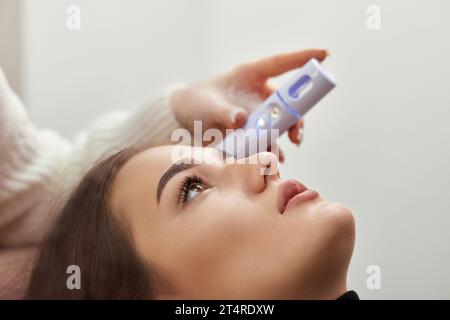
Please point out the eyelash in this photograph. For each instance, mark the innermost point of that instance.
(185, 185)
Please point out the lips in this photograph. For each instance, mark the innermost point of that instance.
(292, 193)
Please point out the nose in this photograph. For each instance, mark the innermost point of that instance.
(253, 172)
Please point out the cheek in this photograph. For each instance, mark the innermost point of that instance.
(222, 228)
(222, 220)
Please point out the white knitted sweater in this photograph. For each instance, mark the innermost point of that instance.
(38, 168)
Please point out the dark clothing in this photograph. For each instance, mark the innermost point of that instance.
(349, 295)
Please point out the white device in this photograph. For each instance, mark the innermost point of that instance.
(280, 111)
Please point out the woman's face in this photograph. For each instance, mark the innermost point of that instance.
(223, 231)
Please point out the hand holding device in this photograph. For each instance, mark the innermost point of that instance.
(280, 111)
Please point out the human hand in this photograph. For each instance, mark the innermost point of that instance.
(224, 102)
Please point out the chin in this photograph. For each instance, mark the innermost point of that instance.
(339, 215)
(338, 235)
(341, 224)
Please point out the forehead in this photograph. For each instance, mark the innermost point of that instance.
(138, 178)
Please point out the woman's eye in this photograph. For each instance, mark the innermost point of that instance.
(191, 188)
(194, 191)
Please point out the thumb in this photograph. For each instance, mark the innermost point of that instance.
(231, 116)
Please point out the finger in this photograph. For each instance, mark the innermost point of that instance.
(281, 63)
(231, 116)
(296, 132)
(267, 90)
(282, 157)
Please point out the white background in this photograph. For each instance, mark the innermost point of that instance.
(380, 143)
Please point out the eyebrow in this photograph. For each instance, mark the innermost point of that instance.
(169, 174)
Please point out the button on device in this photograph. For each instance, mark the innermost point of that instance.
(300, 87)
(274, 111)
(261, 123)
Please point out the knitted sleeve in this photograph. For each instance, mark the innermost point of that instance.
(27, 158)
(39, 167)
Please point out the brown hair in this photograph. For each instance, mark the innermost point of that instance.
(87, 234)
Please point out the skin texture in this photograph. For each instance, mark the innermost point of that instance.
(230, 241)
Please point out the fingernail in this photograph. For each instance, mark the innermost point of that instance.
(327, 53)
(235, 115)
(299, 136)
